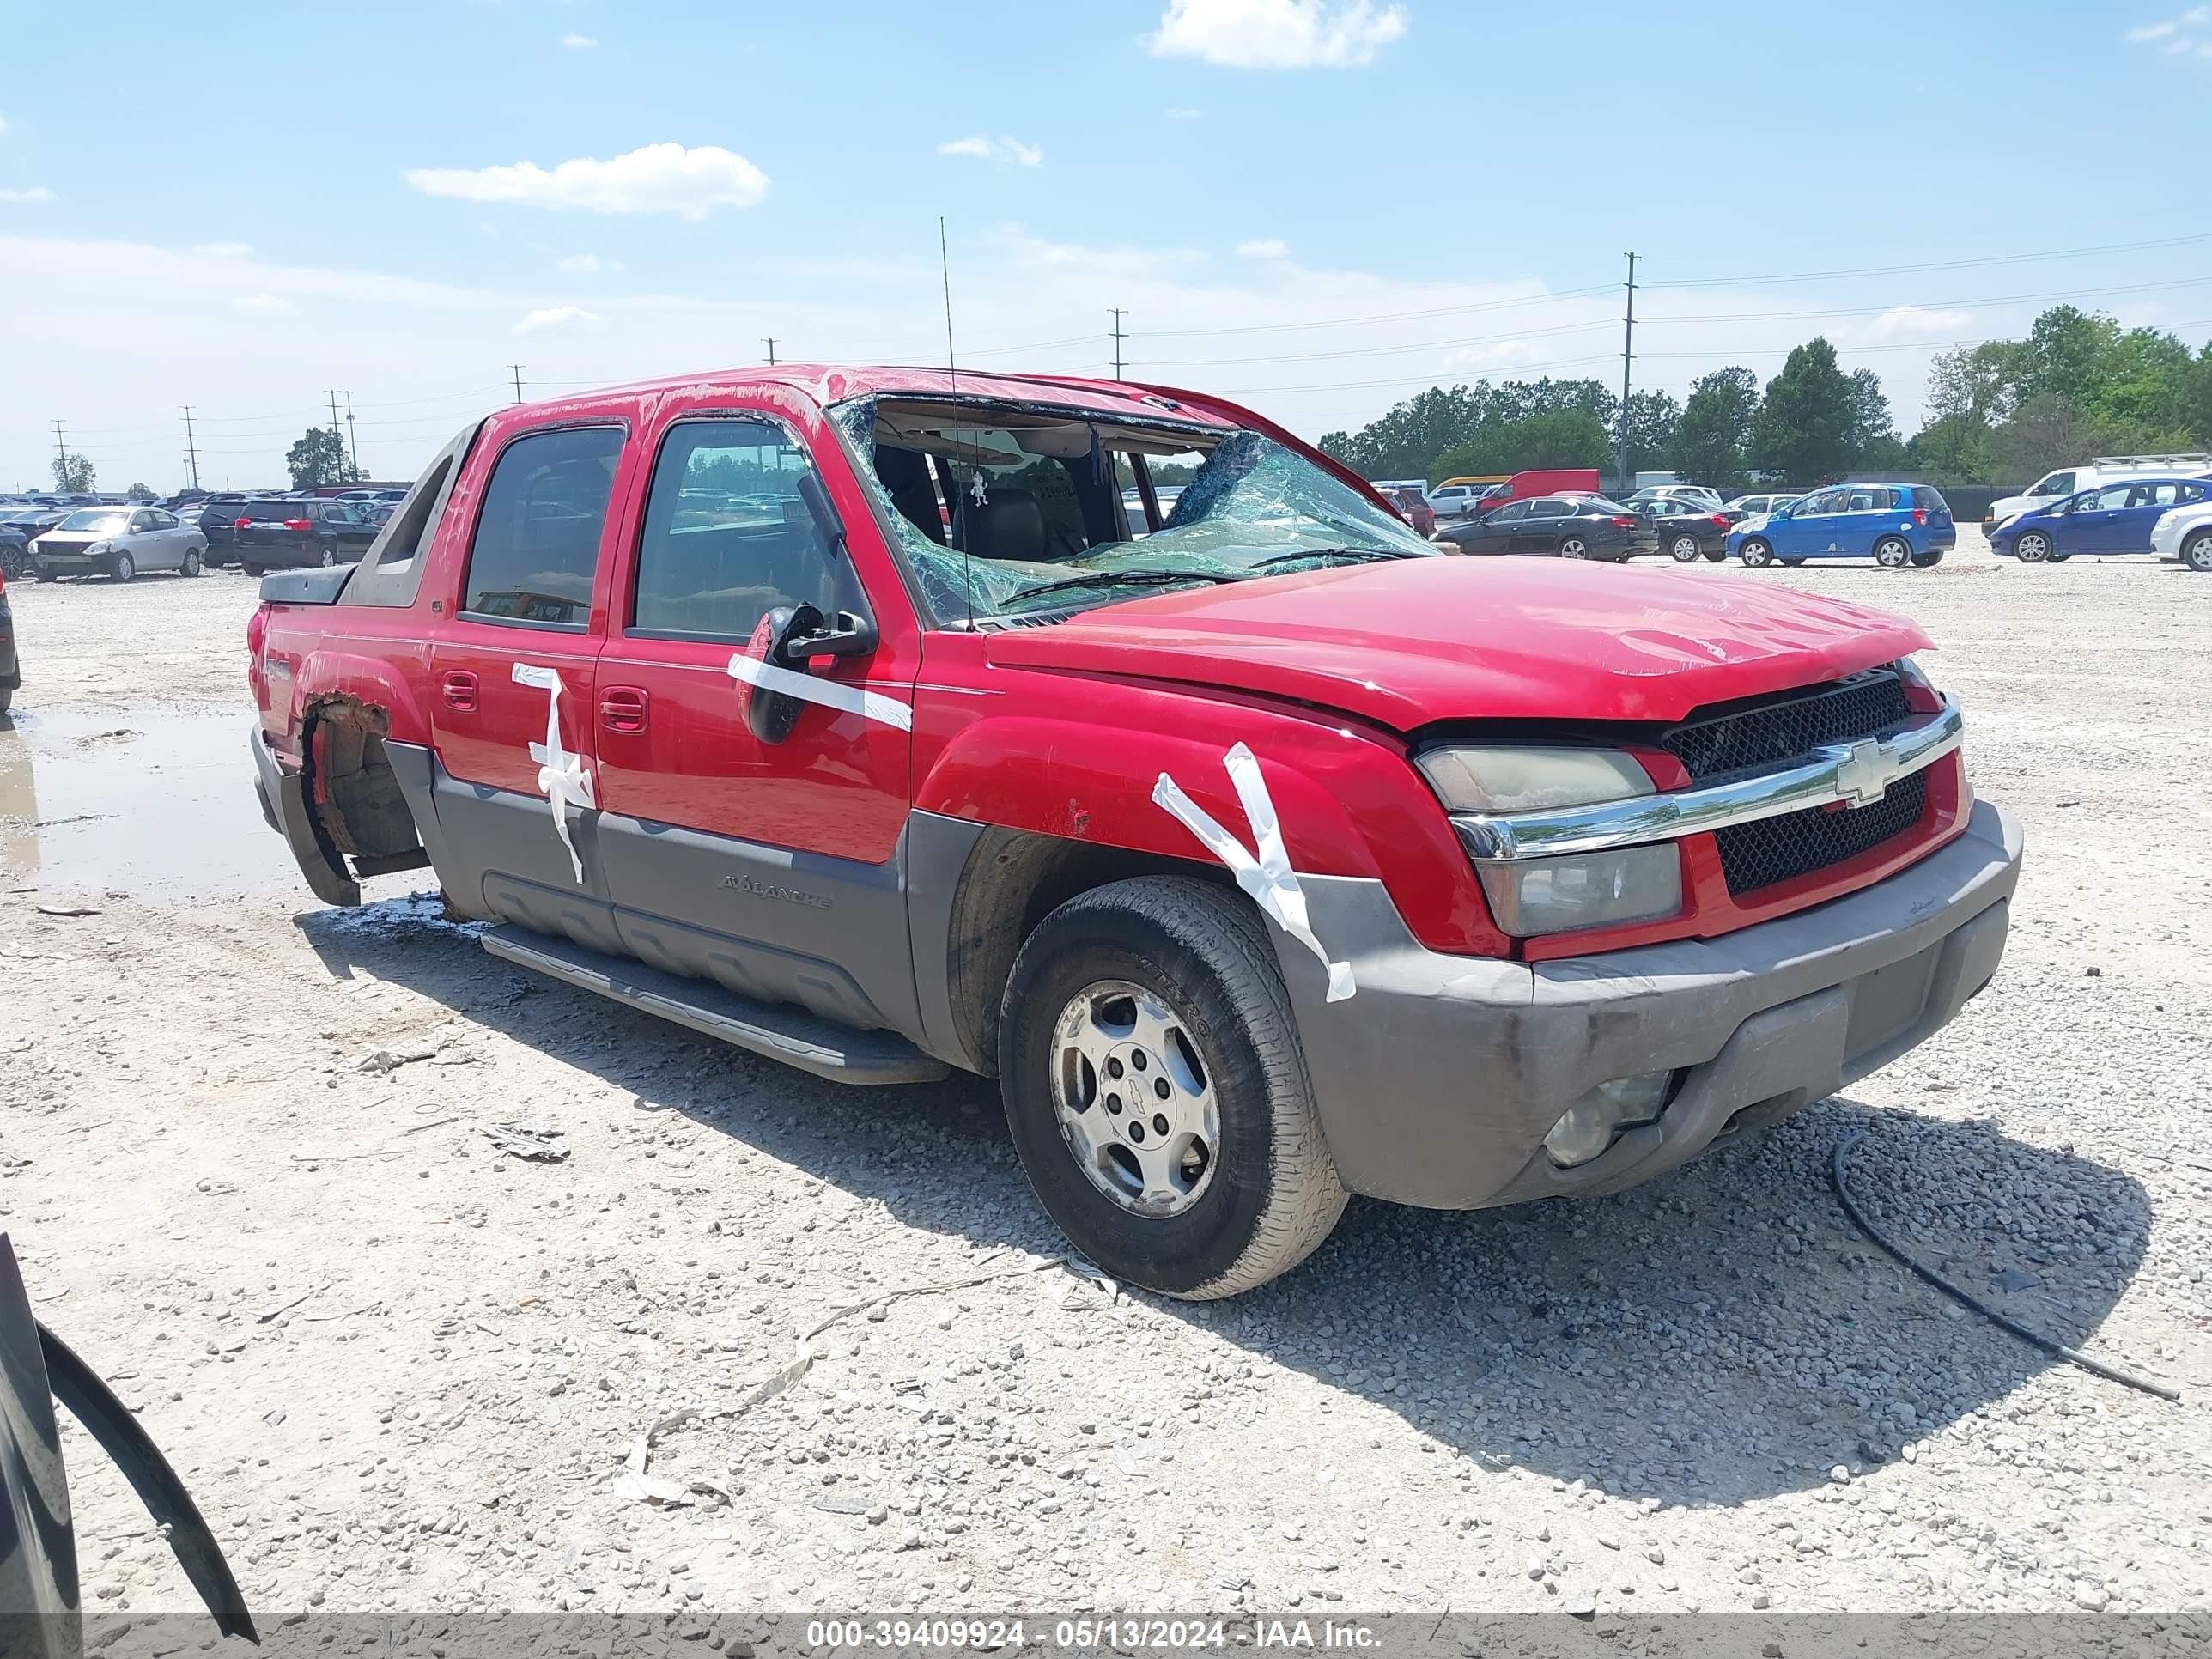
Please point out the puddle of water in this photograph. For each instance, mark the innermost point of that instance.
(157, 805)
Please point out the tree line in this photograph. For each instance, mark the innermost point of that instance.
(2004, 410)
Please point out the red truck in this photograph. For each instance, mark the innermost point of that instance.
(855, 717)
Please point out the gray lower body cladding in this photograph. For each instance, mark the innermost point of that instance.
(1438, 1080)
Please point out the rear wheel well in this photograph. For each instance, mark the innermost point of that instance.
(1013, 879)
(352, 793)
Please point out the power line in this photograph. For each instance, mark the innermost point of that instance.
(1937, 265)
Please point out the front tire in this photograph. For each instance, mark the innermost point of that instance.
(2197, 553)
(2033, 547)
(1684, 549)
(121, 568)
(1892, 553)
(1169, 986)
(1757, 553)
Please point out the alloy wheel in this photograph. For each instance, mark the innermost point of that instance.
(1134, 1100)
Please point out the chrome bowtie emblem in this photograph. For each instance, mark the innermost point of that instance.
(1863, 775)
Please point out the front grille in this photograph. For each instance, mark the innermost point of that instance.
(1775, 732)
(1735, 736)
(1756, 855)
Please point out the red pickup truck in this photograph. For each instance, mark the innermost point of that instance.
(856, 717)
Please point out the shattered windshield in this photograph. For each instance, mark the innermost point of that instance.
(1005, 510)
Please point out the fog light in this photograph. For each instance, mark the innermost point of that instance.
(1590, 1125)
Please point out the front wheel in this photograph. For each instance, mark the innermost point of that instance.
(191, 564)
(252, 569)
(2033, 547)
(2197, 554)
(123, 568)
(1892, 553)
(1684, 549)
(7, 700)
(1757, 553)
(1574, 548)
(1157, 1092)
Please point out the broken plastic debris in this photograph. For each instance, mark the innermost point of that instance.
(829, 694)
(1268, 878)
(538, 1143)
(561, 776)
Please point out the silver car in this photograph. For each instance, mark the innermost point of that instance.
(118, 541)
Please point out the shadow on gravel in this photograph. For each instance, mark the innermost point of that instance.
(1722, 1335)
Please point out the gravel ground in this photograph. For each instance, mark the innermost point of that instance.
(242, 1155)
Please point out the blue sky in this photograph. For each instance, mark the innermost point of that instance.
(1319, 205)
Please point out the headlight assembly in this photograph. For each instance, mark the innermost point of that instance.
(1510, 778)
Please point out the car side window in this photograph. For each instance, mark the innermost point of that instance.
(2058, 484)
(390, 572)
(2110, 498)
(537, 541)
(162, 520)
(1550, 506)
(1510, 512)
(2157, 495)
(728, 537)
(141, 521)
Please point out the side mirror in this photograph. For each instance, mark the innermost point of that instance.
(796, 634)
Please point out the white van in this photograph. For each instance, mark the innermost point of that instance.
(2066, 481)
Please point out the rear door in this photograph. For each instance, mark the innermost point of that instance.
(512, 678)
(767, 863)
(353, 525)
(2147, 502)
(1539, 529)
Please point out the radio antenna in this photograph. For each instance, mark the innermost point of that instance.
(952, 369)
(944, 269)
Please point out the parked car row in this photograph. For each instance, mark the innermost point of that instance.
(258, 533)
(2113, 518)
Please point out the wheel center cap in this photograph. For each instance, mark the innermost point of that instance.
(1133, 1090)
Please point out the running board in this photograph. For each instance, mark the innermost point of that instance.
(771, 1029)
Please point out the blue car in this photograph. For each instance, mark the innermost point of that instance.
(1895, 524)
(2113, 518)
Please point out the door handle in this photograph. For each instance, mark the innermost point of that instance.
(460, 690)
(622, 708)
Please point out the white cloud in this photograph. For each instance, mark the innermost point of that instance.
(35, 196)
(2174, 33)
(265, 305)
(1270, 247)
(1004, 151)
(1184, 113)
(655, 179)
(222, 250)
(576, 42)
(1902, 323)
(549, 317)
(1277, 34)
(589, 265)
(3, 124)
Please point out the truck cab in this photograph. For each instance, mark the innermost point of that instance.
(862, 719)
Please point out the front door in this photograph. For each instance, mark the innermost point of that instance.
(1492, 532)
(2086, 525)
(1809, 531)
(521, 623)
(770, 864)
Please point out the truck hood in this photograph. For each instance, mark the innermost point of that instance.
(1421, 640)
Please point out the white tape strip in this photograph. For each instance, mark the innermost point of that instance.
(561, 775)
(1268, 878)
(831, 693)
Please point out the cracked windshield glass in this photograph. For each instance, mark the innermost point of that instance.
(1004, 511)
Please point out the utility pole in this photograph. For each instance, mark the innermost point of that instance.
(61, 448)
(771, 349)
(517, 367)
(1118, 337)
(191, 450)
(353, 440)
(1627, 343)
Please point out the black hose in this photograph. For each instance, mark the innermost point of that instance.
(2087, 1362)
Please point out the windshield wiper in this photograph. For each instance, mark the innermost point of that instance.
(1345, 555)
(1129, 578)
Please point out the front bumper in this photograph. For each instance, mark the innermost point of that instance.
(1438, 1079)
